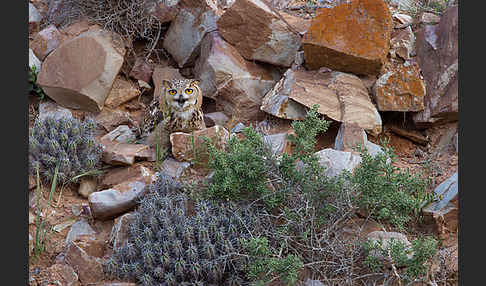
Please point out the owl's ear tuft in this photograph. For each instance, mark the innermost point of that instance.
(195, 82)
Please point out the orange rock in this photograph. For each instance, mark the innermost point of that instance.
(400, 89)
(350, 37)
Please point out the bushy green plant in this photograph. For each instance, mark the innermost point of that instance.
(387, 192)
(67, 142)
(33, 87)
(167, 246)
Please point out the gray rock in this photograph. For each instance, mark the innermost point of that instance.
(34, 61)
(34, 14)
(174, 168)
(81, 227)
(446, 192)
(277, 142)
(337, 161)
(51, 108)
(215, 118)
(119, 232)
(238, 128)
(310, 282)
(122, 134)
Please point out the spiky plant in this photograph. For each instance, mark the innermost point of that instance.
(167, 245)
(66, 141)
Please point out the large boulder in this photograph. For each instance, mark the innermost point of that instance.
(340, 96)
(237, 85)
(437, 56)
(400, 88)
(193, 21)
(79, 74)
(259, 32)
(353, 36)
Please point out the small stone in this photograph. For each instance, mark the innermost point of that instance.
(122, 134)
(87, 186)
(402, 19)
(174, 168)
(34, 15)
(166, 11)
(120, 232)
(63, 225)
(429, 18)
(46, 41)
(51, 108)
(402, 44)
(81, 210)
(81, 227)
(122, 91)
(310, 282)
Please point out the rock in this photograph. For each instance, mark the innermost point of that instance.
(340, 96)
(114, 176)
(215, 118)
(352, 37)
(122, 91)
(187, 30)
(337, 161)
(456, 142)
(34, 61)
(166, 11)
(87, 186)
(445, 210)
(414, 136)
(34, 15)
(120, 231)
(31, 244)
(88, 268)
(141, 70)
(46, 41)
(279, 4)
(237, 85)
(259, 33)
(113, 284)
(110, 119)
(429, 18)
(350, 136)
(184, 144)
(310, 282)
(48, 108)
(63, 274)
(124, 154)
(79, 228)
(122, 134)
(386, 237)
(32, 182)
(174, 168)
(402, 44)
(400, 89)
(31, 217)
(437, 56)
(278, 143)
(80, 72)
(123, 197)
(63, 225)
(374, 150)
(299, 61)
(301, 25)
(82, 209)
(403, 20)
(238, 128)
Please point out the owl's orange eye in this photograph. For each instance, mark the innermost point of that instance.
(172, 91)
(189, 90)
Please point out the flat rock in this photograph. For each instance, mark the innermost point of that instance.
(114, 176)
(429, 18)
(400, 88)
(121, 198)
(122, 91)
(237, 85)
(122, 134)
(349, 137)
(79, 228)
(352, 37)
(402, 44)
(63, 273)
(45, 42)
(215, 118)
(184, 144)
(110, 119)
(79, 74)
(187, 30)
(120, 231)
(173, 168)
(49, 108)
(88, 268)
(413, 135)
(141, 70)
(402, 19)
(340, 96)
(278, 143)
(299, 24)
(87, 186)
(259, 32)
(124, 154)
(337, 161)
(386, 238)
(437, 56)
(34, 61)
(238, 128)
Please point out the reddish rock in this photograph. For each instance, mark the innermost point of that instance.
(122, 91)
(402, 20)
(46, 41)
(402, 44)
(429, 18)
(237, 85)
(437, 56)
(299, 24)
(63, 274)
(122, 134)
(141, 70)
(353, 37)
(116, 175)
(166, 11)
(350, 136)
(115, 153)
(79, 74)
(400, 88)
(110, 119)
(259, 32)
(184, 144)
(88, 268)
(215, 118)
(120, 231)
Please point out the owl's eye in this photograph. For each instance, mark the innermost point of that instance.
(189, 90)
(172, 91)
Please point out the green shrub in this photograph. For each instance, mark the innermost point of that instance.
(33, 87)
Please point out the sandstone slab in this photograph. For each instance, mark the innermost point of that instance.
(350, 37)
(237, 85)
(46, 41)
(80, 72)
(400, 88)
(110, 119)
(123, 197)
(349, 137)
(120, 174)
(121, 91)
(187, 30)
(190, 146)
(63, 274)
(402, 44)
(429, 18)
(340, 96)
(120, 231)
(124, 154)
(88, 268)
(259, 32)
(122, 134)
(141, 70)
(299, 24)
(413, 135)
(437, 56)
(79, 228)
